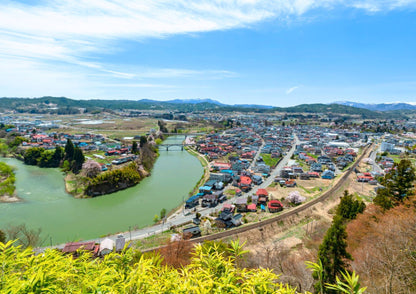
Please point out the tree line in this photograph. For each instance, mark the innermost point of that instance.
(69, 158)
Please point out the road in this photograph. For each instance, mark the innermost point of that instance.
(376, 168)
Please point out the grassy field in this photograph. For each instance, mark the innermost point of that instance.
(268, 160)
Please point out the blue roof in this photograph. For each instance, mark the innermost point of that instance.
(192, 199)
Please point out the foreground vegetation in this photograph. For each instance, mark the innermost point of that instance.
(213, 269)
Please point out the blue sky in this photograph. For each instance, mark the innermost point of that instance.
(272, 52)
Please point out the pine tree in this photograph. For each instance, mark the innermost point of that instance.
(134, 149)
(57, 156)
(143, 141)
(78, 160)
(333, 253)
(69, 150)
(348, 207)
(398, 185)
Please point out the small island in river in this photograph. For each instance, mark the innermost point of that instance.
(98, 172)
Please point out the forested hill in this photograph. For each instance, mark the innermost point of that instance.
(63, 105)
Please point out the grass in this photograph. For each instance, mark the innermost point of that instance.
(153, 240)
(268, 160)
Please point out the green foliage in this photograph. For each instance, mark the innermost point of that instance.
(134, 149)
(163, 213)
(17, 141)
(317, 272)
(348, 207)
(32, 155)
(143, 141)
(2, 237)
(351, 285)
(398, 185)
(155, 218)
(268, 160)
(158, 141)
(43, 158)
(69, 150)
(66, 166)
(333, 252)
(7, 178)
(78, 160)
(127, 272)
(128, 175)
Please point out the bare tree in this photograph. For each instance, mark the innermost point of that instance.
(24, 236)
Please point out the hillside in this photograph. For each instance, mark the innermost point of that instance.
(378, 107)
(63, 105)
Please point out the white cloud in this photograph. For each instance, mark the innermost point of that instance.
(290, 90)
(64, 38)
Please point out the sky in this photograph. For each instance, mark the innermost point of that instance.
(270, 52)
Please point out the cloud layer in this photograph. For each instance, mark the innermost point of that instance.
(48, 34)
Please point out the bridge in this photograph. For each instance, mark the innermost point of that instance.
(184, 134)
(180, 145)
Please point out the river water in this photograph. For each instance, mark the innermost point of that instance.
(63, 218)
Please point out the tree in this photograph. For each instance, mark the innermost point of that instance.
(24, 236)
(155, 218)
(398, 185)
(295, 197)
(143, 141)
(91, 168)
(333, 253)
(2, 237)
(134, 148)
(32, 155)
(57, 156)
(163, 213)
(69, 150)
(78, 160)
(348, 207)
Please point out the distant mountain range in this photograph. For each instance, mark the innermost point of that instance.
(211, 101)
(63, 105)
(379, 107)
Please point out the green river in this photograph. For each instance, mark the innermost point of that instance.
(63, 218)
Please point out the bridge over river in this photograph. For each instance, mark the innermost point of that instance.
(180, 146)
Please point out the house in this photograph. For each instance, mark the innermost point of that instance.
(252, 207)
(191, 232)
(275, 206)
(290, 183)
(237, 220)
(241, 204)
(262, 192)
(106, 246)
(73, 247)
(192, 202)
(210, 200)
(328, 174)
(257, 180)
(245, 183)
(120, 243)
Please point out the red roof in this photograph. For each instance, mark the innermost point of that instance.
(74, 246)
(245, 180)
(274, 204)
(252, 206)
(262, 192)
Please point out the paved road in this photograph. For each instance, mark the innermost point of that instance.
(373, 155)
